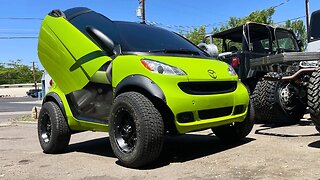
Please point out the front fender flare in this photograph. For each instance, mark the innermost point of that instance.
(141, 82)
(54, 96)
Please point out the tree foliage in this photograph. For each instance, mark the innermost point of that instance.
(260, 16)
(196, 35)
(298, 28)
(14, 72)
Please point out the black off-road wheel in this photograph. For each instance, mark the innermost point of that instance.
(314, 98)
(53, 130)
(136, 130)
(237, 130)
(277, 102)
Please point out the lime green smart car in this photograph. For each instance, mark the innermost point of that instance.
(136, 81)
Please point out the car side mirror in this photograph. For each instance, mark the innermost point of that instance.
(210, 49)
(300, 43)
(103, 40)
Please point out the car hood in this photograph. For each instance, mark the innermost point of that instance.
(198, 69)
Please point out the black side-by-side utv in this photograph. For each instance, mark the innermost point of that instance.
(270, 63)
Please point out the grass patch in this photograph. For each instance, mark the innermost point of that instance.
(25, 118)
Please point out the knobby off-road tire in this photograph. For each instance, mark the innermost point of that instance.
(238, 130)
(53, 130)
(314, 98)
(136, 130)
(268, 105)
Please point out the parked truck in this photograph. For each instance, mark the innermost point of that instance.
(270, 63)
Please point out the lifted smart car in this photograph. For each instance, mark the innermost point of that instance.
(137, 81)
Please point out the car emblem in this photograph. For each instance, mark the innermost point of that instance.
(212, 74)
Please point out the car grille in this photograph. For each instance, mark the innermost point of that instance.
(205, 88)
(214, 113)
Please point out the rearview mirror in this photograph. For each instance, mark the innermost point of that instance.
(101, 39)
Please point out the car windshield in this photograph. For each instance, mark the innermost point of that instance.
(286, 41)
(136, 37)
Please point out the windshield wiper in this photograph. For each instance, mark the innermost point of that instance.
(175, 51)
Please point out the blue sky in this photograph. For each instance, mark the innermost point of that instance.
(169, 12)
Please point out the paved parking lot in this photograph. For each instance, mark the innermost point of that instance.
(267, 153)
(290, 152)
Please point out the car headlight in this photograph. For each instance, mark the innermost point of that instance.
(161, 68)
(231, 71)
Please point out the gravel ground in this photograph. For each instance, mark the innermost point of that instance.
(267, 153)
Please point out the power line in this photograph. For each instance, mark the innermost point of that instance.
(293, 19)
(19, 37)
(183, 27)
(281, 4)
(20, 18)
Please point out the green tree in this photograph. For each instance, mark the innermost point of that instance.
(196, 35)
(260, 16)
(15, 72)
(298, 28)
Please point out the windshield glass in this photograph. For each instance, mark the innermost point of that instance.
(286, 41)
(136, 37)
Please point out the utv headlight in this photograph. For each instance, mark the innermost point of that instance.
(161, 68)
(231, 71)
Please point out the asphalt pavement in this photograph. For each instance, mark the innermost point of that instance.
(16, 107)
(268, 152)
(291, 152)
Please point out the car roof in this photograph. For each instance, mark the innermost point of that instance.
(236, 34)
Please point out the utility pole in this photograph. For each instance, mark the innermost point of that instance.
(307, 15)
(141, 11)
(34, 75)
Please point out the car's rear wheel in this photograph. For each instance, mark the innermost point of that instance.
(237, 130)
(53, 130)
(136, 130)
(314, 98)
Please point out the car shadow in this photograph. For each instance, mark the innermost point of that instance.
(263, 130)
(175, 149)
(315, 144)
(99, 147)
(191, 146)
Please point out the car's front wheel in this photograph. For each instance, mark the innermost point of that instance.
(53, 130)
(136, 130)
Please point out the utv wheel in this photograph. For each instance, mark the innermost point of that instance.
(237, 130)
(136, 130)
(277, 101)
(314, 98)
(53, 130)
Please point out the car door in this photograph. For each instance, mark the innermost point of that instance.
(67, 54)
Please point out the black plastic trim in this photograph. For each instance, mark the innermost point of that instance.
(57, 98)
(206, 88)
(141, 82)
(57, 13)
(215, 113)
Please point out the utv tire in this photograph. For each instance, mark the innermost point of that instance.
(269, 101)
(53, 130)
(237, 130)
(314, 98)
(136, 130)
